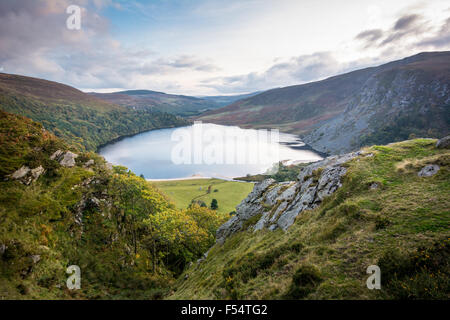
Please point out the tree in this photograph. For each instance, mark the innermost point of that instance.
(214, 204)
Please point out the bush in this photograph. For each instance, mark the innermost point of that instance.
(424, 274)
(214, 204)
(305, 280)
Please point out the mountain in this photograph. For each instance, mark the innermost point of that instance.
(226, 100)
(75, 116)
(315, 237)
(158, 101)
(60, 206)
(368, 106)
(175, 104)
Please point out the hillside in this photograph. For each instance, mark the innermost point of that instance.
(314, 238)
(369, 106)
(61, 207)
(78, 118)
(179, 105)
(223, 101)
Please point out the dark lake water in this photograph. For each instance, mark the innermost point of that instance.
(208, 150)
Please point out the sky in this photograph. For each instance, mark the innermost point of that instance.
(213, 47)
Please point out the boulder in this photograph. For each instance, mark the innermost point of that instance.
(20, 173)
(429, 170)
(443, 143)
(68, 160)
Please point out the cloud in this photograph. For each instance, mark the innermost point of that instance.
(406, 22)
(370, 35)
(34, 41)
(440, 39)
(296, 70)
(408, 31)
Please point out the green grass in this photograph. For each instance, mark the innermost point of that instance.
(229, 194)
(402, 226)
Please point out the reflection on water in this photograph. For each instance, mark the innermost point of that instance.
(152, 153)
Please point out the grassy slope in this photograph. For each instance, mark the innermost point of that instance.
(328, 249)
(42, 220)
(80, 119)
(230, 193)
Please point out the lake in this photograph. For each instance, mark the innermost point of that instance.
(207, 150)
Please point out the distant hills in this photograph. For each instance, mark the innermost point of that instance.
(79, 118)
(180, 105)
(391, 102)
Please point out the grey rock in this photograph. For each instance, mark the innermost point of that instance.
(228, 228)
(27, 175)
(36, 172)
(20, 173)
(443, 143)
(68, 160)
(262, 222)
(290, 198)
(89, 163)
(374, 186)
(429, 170)
(56, 155)
(2, 248)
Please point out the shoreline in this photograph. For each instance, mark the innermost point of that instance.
(134, 134)
(196, 177)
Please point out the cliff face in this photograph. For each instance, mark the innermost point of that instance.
(275, 205)
(413, 98)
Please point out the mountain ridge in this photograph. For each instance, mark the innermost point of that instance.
(181, 105)
(303, 109)
(75, 116)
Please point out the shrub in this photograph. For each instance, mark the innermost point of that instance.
(423, 274)
(305, 280)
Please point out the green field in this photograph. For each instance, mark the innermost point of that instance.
(229, 193)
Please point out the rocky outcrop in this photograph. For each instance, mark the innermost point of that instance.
(66, 159)
(276, 205)
(27, 175)
(443, 143)
(20, 173)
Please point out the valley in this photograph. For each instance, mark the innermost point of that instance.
(74, 170)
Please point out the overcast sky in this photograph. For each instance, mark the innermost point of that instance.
(210, 47)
